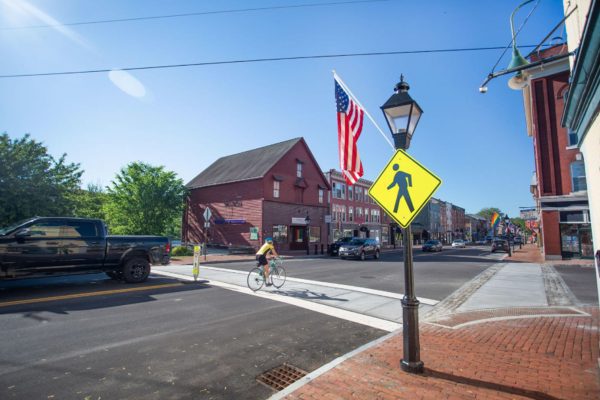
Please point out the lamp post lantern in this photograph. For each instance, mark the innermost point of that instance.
(402, 114)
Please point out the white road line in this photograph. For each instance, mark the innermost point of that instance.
(392, 295)
(373, 322)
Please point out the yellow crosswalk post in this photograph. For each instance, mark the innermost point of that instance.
(196, 267)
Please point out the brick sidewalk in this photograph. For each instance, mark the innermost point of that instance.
(533, 358)
(530, 253)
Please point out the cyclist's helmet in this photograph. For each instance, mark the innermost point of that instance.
(269, 240)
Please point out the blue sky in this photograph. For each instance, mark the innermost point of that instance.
(186, 118)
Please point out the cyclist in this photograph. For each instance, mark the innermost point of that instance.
(261, 257)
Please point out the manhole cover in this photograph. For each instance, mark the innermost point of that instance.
(281, 377)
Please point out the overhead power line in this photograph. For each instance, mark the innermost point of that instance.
(256, 60)
(193, 14)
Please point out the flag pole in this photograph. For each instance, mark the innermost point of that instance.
(341, 82)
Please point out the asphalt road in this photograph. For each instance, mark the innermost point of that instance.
(177, 341)
(437, 275)
(87, 337)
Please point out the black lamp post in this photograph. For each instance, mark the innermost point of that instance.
(402, 114)
(307, 220)
(507, 224)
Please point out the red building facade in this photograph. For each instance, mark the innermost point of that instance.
(559, 185)
(277, 190)
(353, 212)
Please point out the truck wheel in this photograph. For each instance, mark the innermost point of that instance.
(116, 275)
(376, 254)
(136, 270)
(362, 256)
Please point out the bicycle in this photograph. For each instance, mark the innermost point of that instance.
(277, 275)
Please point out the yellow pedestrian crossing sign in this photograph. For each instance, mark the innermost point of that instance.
(404, 187)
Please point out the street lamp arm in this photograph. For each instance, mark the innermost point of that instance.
(522, 68)
(512, 24)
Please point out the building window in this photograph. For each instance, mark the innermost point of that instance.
(339, 190)
(315, 234)
(276, 189)
(358, 192)
(350, 193)
(350, 214)
(571, 138)
(280, 233)
(359, 212)
(320, 196)
(343, 212)
(366, 215)
(578, 176)
(299, 169)
(375, 215)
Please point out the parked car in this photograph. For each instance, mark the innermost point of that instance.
(335, 247)
(360, 248)
(518, 240)
(499, 245)
(480, 242)
(47, 246)
(432, 245)
(458, 243)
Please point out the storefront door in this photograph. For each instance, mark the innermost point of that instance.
(298, 239)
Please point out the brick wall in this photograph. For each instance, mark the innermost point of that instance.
(234, 201)
(294, 190)
(551, 235)
(553, 159)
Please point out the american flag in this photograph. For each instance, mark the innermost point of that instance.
(350, 122)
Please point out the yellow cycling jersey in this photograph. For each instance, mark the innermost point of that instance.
(265, 249)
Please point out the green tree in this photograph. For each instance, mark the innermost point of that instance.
(488, 212)
(32, 182)
(90, 202)
(520, 222)
(144, 200)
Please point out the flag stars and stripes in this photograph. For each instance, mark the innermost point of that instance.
(350, 120)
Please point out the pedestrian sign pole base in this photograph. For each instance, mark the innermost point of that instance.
(411, 362)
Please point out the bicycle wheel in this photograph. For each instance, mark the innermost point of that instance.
(256, 279)
(278, 277)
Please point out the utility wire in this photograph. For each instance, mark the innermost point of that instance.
(516, 34)
(255, 60)
(192, 14)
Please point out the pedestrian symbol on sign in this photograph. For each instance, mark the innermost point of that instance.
(403, 180)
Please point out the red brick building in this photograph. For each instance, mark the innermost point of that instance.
(559, 184)
(276, 190)
(354, 212)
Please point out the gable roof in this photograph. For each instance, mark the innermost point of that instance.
(244, 166)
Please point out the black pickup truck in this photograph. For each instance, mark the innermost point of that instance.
(44, 246)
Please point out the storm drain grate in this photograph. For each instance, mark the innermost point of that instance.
(281, 377)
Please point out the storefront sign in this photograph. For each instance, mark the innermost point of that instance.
(229, 221)
(298, 221)
(253, 233)
(328, 219)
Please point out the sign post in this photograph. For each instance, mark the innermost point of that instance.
(402, 189)
(196, 267)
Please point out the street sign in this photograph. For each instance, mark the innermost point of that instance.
(403, 188)
(207, 224)
(207, 214)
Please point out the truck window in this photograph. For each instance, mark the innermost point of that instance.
(45, 229)
(78, 229)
